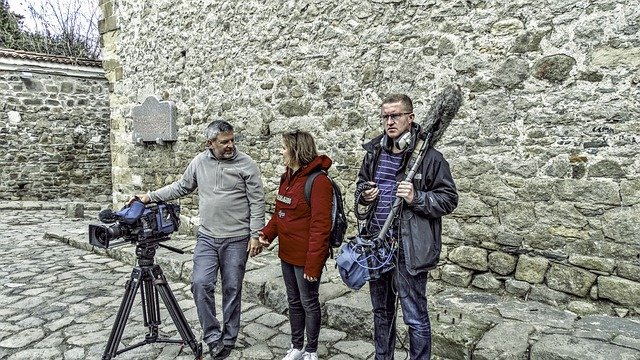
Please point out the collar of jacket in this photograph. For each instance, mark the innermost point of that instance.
(320, 162)
(213, 156)
(374, 145)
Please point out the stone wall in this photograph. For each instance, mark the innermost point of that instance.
(544, 149)
(54, 129)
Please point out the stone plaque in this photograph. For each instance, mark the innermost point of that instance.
(154, 121)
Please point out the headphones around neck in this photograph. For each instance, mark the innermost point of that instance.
(401, 143)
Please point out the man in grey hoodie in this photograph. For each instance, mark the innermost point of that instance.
(231, 207)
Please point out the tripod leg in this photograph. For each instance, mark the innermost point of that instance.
(170, 302)
(131, 288)
(150, 306)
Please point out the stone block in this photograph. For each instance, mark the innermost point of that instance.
(619, 228)
(511, 73)
(570, 279)
(630, 191)
(518, 288)
(531, 269)
(351, 313)
(537, 314)
(454, 336)
(173, 265)
(592, 262)
(612, 57)
(629, 271)
(543, 294)
(357, 349)
(470, 257)
(502, 263)
(583, 308)
(456, 275)
(74, 210)
(509, 340)
(509, 26)
(486, 281)
(254, 286)
(554, 68)
(619, 290)
(565, 347)
(588, 191)
(517, 215)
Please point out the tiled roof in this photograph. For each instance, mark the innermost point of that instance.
(25, 55)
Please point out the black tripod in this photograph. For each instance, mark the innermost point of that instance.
(149, 279)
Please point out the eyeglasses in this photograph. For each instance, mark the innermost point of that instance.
(393, 117)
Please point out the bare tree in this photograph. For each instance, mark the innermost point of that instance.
(63, 27)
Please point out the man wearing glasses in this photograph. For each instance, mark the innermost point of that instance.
(231, 207)
(417, 228)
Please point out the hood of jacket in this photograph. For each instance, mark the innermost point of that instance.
(321, 162)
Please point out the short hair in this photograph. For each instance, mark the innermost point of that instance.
(401, 98)
(216, 127)
(301, 146)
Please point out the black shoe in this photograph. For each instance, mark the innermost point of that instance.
(226, 351)
(215, 348)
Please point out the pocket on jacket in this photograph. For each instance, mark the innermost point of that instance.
(292, 208)
(424, 247)
(229, 178)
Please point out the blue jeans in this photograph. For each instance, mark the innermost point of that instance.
(304, 307)
(229, 257)
(412, 293)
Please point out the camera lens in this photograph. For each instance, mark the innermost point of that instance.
(101, 235)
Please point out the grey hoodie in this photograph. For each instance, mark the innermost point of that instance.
(230, 191)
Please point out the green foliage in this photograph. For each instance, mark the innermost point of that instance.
(10, 33)
(61, 36)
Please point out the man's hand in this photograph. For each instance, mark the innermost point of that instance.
(371, 194)
(405, 191)
(142, 197)
(254, 247)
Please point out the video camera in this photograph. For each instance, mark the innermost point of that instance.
(135, 222)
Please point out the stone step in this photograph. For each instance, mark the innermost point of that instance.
(466, 324)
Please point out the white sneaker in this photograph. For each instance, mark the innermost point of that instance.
(294, 354)
(310, 356)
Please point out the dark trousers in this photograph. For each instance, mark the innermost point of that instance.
(412, 294)
(304, 307)
(211, 256)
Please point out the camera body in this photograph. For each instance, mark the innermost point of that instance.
(135, 223)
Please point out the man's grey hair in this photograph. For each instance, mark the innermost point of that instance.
(217, 127)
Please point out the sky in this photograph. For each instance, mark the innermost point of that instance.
(20, 7)
(44, 6)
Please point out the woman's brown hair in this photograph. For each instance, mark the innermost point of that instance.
(301, 146)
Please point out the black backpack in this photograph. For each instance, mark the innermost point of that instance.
(338, 217)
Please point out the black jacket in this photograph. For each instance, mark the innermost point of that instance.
(420, 225)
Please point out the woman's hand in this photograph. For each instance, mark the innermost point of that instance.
(310, 278)
(263, 239)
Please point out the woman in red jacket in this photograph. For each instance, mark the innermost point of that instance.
(303, 233)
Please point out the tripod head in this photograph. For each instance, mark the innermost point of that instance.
(146, 251)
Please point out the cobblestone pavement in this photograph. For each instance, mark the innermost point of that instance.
(60, 302)
(59, 298)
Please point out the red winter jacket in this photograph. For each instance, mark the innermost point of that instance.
(303, 231)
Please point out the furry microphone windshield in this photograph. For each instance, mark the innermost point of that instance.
(442, 112)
